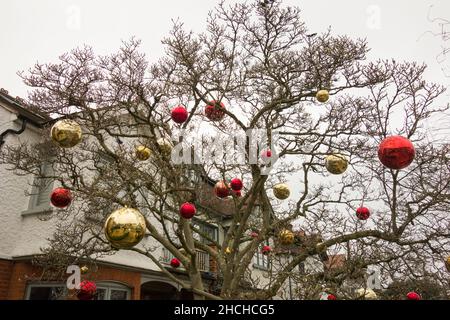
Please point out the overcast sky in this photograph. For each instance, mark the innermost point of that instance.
(41, 30)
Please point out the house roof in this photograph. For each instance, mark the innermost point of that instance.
(23, 110)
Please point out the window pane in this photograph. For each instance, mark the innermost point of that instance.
(101, 294)
(46, 293)
(118, 295)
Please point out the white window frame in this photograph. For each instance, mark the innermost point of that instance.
(110, 286)
(37, 190)
(261, 261)
(45, 285)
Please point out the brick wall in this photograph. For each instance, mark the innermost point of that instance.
(5, 275)
(15, 275)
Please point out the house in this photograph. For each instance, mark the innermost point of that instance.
(27, 223)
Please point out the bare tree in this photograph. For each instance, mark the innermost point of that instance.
(260, 60)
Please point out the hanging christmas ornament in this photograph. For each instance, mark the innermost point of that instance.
(266, 250)
(187, 210)
(362, 213)
(336, 163)
(87, 290)
(213, 111)
(179, 114)
(66, 133)
(286, 237)
(396, 152)
(281, 191)
(143, 153)
(413, 296)
(266, 155)
(254, 234)
(84, 269)
(61, 197)
(366, 294)
(331, 297)
(125, 228)
(237, 193)
(166, 146)
(236, 184)
(221, 190)
(322, 96)
(227, 250)
(447, 263)
(174, 263)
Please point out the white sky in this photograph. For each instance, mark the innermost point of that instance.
(41, 30)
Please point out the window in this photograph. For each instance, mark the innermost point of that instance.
(112, 291)
(46, 292)
(261, 261)
(205, 228)
(40, 192)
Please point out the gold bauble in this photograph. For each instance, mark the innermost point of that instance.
(447, 263)
(322, 96)
(84, 269)
(281, 191)
(227, 250)
(165, 145)
(286, 237)
(336, 163)
(125, 228)
(366, 294)
(143, 153)
(66, 133)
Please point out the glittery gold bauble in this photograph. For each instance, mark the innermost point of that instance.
(322, 96)
(366, 294)
(286, 237)
(143, 153)
(84, 269)
(125, 228)
(66, 133)
(166, 146)
(447, 263)
(336, 163)
(228, 250)
(281, 191)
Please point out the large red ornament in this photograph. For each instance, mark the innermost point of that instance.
(266, 250)
(237, 193)
(331, 297)
(187, 210)
(87, 290)
(362, 213)
(175, 263)
(213, 111)
(413, 296)
(236, 184)
(179, 114)
(221, 190)
(396, 152)
(61, 197)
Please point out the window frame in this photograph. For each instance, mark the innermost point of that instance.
(109, 286)
(30, 286)
(265, 265)
(37, 191)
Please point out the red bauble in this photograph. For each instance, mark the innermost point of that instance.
(221, 190)
(413, 296)
(362, 213)
(266, 250)
(187, 210)
(179, 114)
(266, 155)
(254, 234)
(175, 263)
(396, 152)
(238, 193)
(331, 297)
(236, 184)
(213, 112)
(61, 197)
(87, 290)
